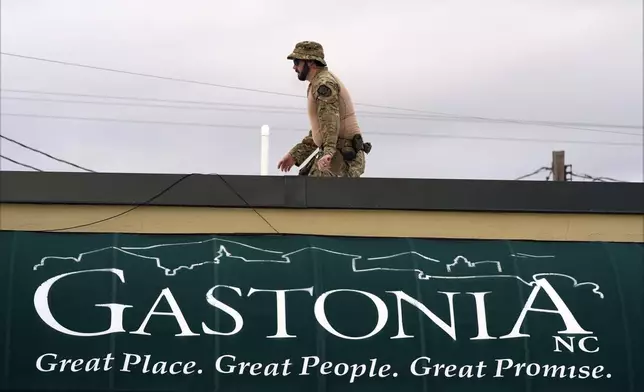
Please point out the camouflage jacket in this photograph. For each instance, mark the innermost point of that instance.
(331, 115)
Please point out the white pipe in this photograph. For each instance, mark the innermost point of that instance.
(264, 151)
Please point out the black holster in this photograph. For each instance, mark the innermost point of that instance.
(357, 144)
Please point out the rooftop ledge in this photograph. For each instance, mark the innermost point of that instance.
(230, 191)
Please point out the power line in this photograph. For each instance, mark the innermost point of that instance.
(45, 154)
(401, 134)
(595, 179)
(297, 108)
(190, 124)
(264, 91)
(188, 80)
(244, 108)
(150, 75)
(273, 111)
(584, 124)
(210, 104)
(20, 163)
(539, 170)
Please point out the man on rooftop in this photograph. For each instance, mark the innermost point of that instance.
(334, 126)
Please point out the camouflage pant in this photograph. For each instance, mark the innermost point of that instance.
(339, 166)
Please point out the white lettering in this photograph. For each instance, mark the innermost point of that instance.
(253, 368)
(449, 329)
(239, 321)
(354, 371)
(231, 368)
(305, 364)
(570, 346)
(500, 366)
(414, 366)
(481, 316)
(176, 312)
(280, 296)
(126, 363)
(74, 365)
(320, 313)
(51, 367)
(421, 367)
(582, 344)
(552, 370)
(41, 303)
(158, 367)
(572, 326)
(547, 370)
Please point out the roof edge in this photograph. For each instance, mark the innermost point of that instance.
(237, 191)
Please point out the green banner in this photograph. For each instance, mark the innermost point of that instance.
(115, 312)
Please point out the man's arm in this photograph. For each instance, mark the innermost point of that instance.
(327, 97)
(303, 149)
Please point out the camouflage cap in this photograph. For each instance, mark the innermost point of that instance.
(308, 50)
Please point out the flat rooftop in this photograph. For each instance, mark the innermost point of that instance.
(293, 192)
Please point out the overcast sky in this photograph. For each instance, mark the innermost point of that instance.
(574, 61)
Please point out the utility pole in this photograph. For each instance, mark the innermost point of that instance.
(558, 166)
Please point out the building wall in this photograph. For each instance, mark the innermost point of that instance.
(332, 222)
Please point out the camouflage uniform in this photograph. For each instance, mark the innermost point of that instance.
(325, 92)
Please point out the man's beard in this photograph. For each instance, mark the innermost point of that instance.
(305, 72)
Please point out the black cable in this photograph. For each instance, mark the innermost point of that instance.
(595, 179)
(159, 194)
(609, 179)
(533, 173)
(137, 205)
(584, 176)
(247, 205)
(442, 136)
(44, 153)
(20, 163)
